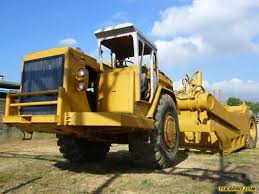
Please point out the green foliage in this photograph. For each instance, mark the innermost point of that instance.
(234, 101)
(254, 106)
(4, 177)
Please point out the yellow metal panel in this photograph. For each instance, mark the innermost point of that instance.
(116, 91)
(155, 102)
(195, 139)
(191, 121)
(165, 81)
(74, 100)
(91, 62)
(106, 119)
(156, 99)
(8, 109)
(230, 140)
(46, 53)
(205, 101)
(141, 108)
(31, 119)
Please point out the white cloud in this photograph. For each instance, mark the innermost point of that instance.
(121, 15)
(244, 89)
(181, 50)
(116, 18)
(247, 90)
(68, 42)
(223, 27)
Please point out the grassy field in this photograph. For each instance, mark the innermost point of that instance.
(36, 166)
(18, 135)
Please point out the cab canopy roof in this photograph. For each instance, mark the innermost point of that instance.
(121, 38)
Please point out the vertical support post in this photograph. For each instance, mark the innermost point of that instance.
(154, 78)
(60, 105)
(152, 73)
(199, 78)
(100, 54)
(136, 57)
(7, 105)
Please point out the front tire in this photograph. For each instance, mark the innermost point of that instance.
(158, 149)
(78, 150)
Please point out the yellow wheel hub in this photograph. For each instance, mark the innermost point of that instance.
(169, 132)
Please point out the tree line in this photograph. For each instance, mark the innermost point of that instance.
(232, 101)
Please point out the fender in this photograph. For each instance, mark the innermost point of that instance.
(161, 90)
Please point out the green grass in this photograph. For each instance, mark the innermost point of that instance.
(4, 177)
(43, 135)
(242, 156)
(18, 135)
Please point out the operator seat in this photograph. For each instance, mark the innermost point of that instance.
(144, 82)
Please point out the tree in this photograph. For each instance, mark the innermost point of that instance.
(232, 101)
(254, 106)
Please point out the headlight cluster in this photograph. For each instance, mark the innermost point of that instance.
(80, 86)
(82, 79)
(81, 72)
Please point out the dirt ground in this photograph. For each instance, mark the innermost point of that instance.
(36, 166)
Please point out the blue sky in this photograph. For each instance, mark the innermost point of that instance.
(216, 36)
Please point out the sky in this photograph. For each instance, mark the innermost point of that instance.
(218, 37)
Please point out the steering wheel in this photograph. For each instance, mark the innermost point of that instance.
(127, 61)
(123, 63)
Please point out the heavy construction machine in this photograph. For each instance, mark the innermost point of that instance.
(122, 99)
(207, 125)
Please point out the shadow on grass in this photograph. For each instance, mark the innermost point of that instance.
(43, 157)
(21, 185)
(120, 162)
(116, 162)
(106, 184)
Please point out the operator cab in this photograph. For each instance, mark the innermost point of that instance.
(124, 45)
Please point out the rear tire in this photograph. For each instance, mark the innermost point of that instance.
(158, 149)
(78, 150)
(251, 139)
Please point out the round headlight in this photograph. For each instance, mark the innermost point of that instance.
(81, 72)
(80, 86)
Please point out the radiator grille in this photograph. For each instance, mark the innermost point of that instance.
(41, 75)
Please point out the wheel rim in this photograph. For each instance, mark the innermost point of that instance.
(169, 132)
(253, 129)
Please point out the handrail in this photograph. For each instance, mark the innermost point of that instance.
(39, 93)
(11, 104)
(43, 103)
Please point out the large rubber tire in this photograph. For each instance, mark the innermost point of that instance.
(78, 150)
(151, 148)
(251, 139)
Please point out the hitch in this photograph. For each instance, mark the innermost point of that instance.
(27, 138)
